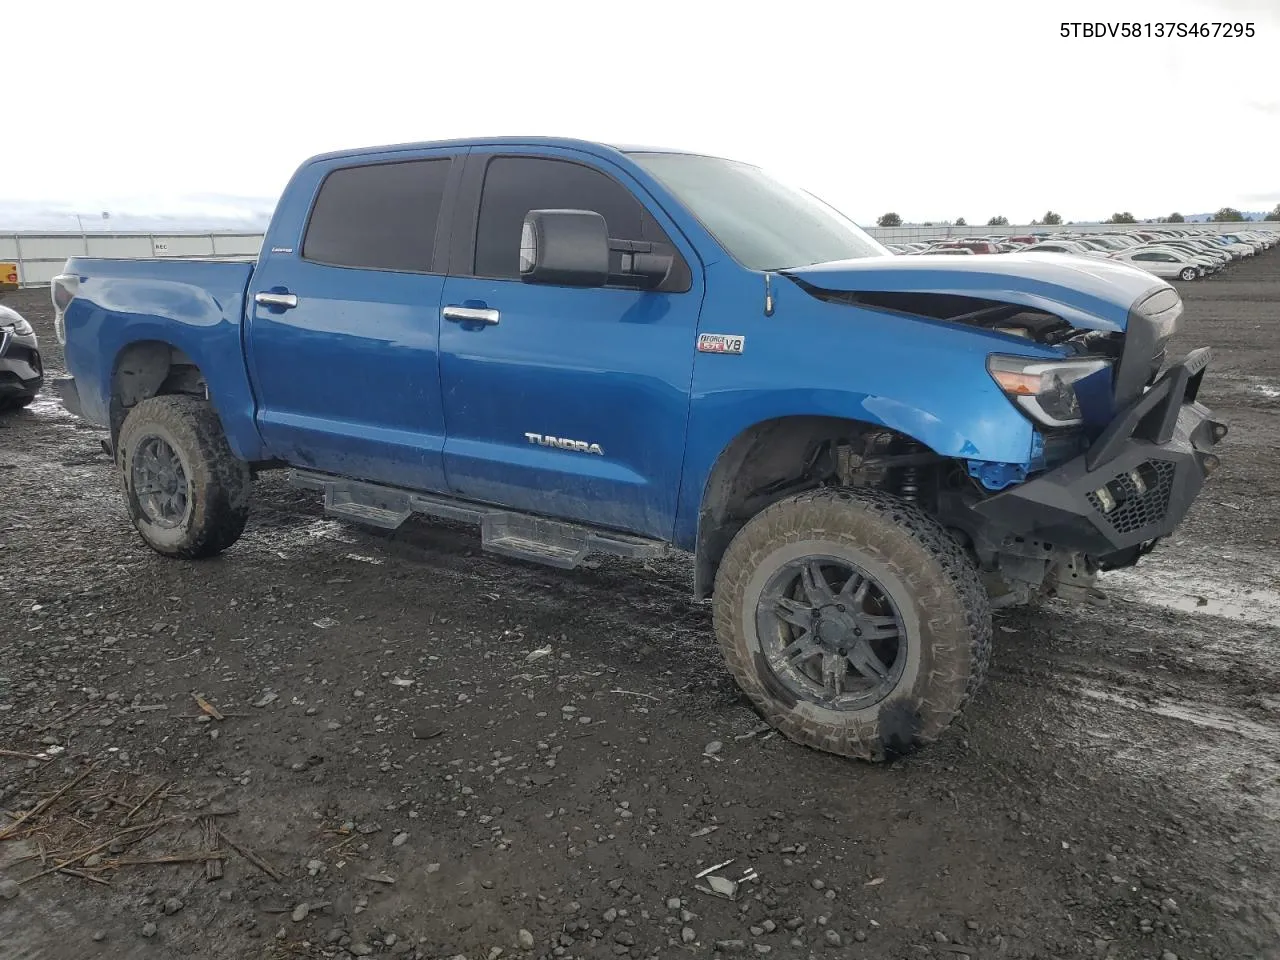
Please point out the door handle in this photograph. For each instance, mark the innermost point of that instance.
(283, 301)
(471, 314)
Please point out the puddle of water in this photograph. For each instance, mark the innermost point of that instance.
(301, 535)
(46, 406)
(1240, 588)
(1262, 606)
(1190, 713)
(334, 530)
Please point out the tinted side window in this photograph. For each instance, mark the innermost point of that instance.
(378, 216)
(515, 185)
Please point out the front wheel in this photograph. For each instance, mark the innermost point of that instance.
(1188, 273)
(853, 621)
(186, 492)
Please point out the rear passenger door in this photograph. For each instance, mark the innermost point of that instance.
(569, 402)
(343, 340)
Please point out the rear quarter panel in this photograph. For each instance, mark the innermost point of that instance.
(196, 306)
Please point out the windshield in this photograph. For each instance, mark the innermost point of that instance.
(761, 222)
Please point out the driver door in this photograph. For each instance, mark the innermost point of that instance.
(606, 369)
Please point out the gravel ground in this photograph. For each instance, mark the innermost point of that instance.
(429, 752)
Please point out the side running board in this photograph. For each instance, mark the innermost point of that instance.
(510, 533)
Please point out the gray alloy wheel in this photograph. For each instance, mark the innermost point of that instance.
(853, 621)
(186, 492)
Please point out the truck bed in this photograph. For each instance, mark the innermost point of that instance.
(195, 304)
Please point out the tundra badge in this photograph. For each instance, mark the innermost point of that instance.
(720, 343)
(580, 446)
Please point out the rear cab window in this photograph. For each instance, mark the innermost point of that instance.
(378, 216)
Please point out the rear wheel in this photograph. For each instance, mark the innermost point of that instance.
(853, 621)
(186, 492)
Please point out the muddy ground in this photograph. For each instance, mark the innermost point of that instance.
(401, 774)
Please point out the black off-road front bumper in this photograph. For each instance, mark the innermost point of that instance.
(1133, 485)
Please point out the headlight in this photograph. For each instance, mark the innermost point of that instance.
(1045, 389)
(19, 328)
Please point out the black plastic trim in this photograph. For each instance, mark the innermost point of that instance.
(466, 217)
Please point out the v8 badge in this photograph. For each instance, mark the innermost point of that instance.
(721, 343)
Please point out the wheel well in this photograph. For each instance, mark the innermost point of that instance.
(151, 368)
(784, 456)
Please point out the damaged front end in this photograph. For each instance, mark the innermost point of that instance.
(1121, 445)
(1109, 506)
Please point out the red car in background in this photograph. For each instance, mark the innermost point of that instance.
(976, 246)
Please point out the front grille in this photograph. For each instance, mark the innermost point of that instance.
(1134, 512)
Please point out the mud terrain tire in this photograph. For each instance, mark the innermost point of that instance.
(940, 601)
(215, 484)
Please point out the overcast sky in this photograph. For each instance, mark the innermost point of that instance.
(931, 108)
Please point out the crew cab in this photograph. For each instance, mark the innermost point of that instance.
(586, 348)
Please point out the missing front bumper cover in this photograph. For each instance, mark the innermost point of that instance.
(1151, 464)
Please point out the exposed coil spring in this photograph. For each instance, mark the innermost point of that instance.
(909, 485)
(909, 477)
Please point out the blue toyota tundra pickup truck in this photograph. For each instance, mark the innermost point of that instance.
(586, 348)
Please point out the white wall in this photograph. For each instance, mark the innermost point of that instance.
(40, 256)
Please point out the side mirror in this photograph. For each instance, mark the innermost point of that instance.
(567, 247)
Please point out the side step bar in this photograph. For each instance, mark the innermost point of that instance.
(507, 532)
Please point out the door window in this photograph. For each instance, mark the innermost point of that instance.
(515, 185)
(378, 216)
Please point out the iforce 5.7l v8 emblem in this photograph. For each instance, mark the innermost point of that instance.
(720, 343)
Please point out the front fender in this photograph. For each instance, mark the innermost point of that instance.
(922, 378)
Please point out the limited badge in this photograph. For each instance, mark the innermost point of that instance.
(720, 343)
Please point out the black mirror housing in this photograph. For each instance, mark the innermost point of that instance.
(565, 247)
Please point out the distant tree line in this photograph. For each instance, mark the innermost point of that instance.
(1052, 219)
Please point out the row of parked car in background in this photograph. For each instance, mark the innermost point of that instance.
(1172, 253)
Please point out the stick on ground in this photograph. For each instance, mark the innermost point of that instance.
(252, 858)
(145, 800)
(73, 712)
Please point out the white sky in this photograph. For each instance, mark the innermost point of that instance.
(931, 108)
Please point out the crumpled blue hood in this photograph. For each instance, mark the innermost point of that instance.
(1091, 294)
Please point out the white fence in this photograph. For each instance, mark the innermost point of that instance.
(40, 256)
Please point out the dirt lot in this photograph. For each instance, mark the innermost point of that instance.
(398, 772)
